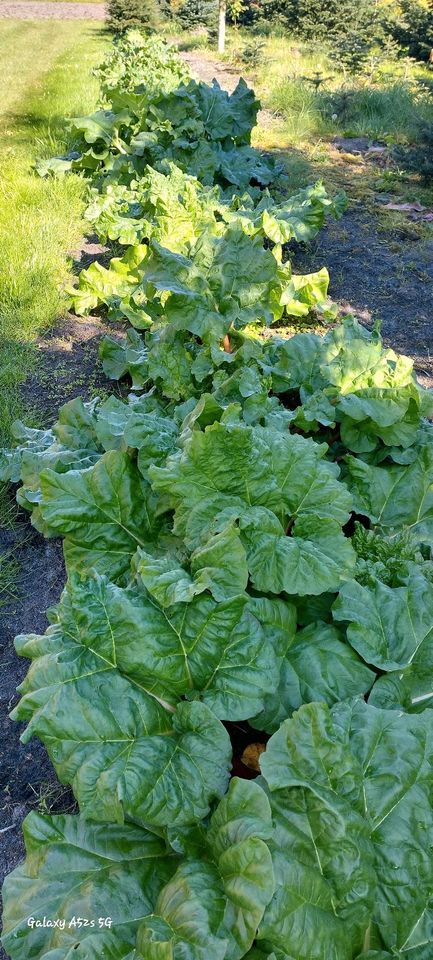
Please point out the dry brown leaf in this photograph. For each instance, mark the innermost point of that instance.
(251, 755)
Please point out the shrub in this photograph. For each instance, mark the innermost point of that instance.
(197, 13)
(414, 28)
(124, 14)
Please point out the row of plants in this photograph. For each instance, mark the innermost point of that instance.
(247, 538)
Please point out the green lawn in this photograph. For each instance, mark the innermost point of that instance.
(45, 75)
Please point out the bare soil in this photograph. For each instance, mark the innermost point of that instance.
(38, 10)
(373, 281)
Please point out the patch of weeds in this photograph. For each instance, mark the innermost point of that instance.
(194, 41)
(9, 573)
(50, 796)
(8, 508)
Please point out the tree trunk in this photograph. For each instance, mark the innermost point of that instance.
(222, 26)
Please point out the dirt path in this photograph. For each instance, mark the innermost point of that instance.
(35, 10)
(228, 77)
(375, 274)
(373, 281)
(208, 70)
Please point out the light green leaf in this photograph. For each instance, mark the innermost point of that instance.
(396, 497)
(387, 626)
(219, 566)
(125, 357)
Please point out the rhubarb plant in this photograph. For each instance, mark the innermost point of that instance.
(236, 682)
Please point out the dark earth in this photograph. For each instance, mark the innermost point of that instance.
(373, 275)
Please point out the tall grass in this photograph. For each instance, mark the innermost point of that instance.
(295, 102)
(386, 102)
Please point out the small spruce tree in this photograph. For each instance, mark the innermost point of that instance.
(413, 29)
(126, 14)
(349, 28)
(198, 13)
(346, 28)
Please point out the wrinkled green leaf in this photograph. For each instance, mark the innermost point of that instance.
(212, 909)
(75, 868)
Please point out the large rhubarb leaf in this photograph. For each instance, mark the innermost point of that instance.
(387, 626)
(347, 377)
(396, 497)
(88, 696)
(212, 899)
(77, 869)
(367, 773)
(222, 653)
(322, 852)
(72, 444)
(288, 500)
(105, 513)
(317, 665)
(219, 566)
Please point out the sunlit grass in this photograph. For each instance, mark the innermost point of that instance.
(385, 103)
(40, 221)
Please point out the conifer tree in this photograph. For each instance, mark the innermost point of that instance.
(126, 14)
(198, 13)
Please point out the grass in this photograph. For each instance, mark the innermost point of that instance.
(45, 75)
(9, 570)
(386, 103)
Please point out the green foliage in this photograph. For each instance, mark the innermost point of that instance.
(248, 540)
(413, 28)
(133, 14)
(348, 28)
(197, 13)
(252, 53)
